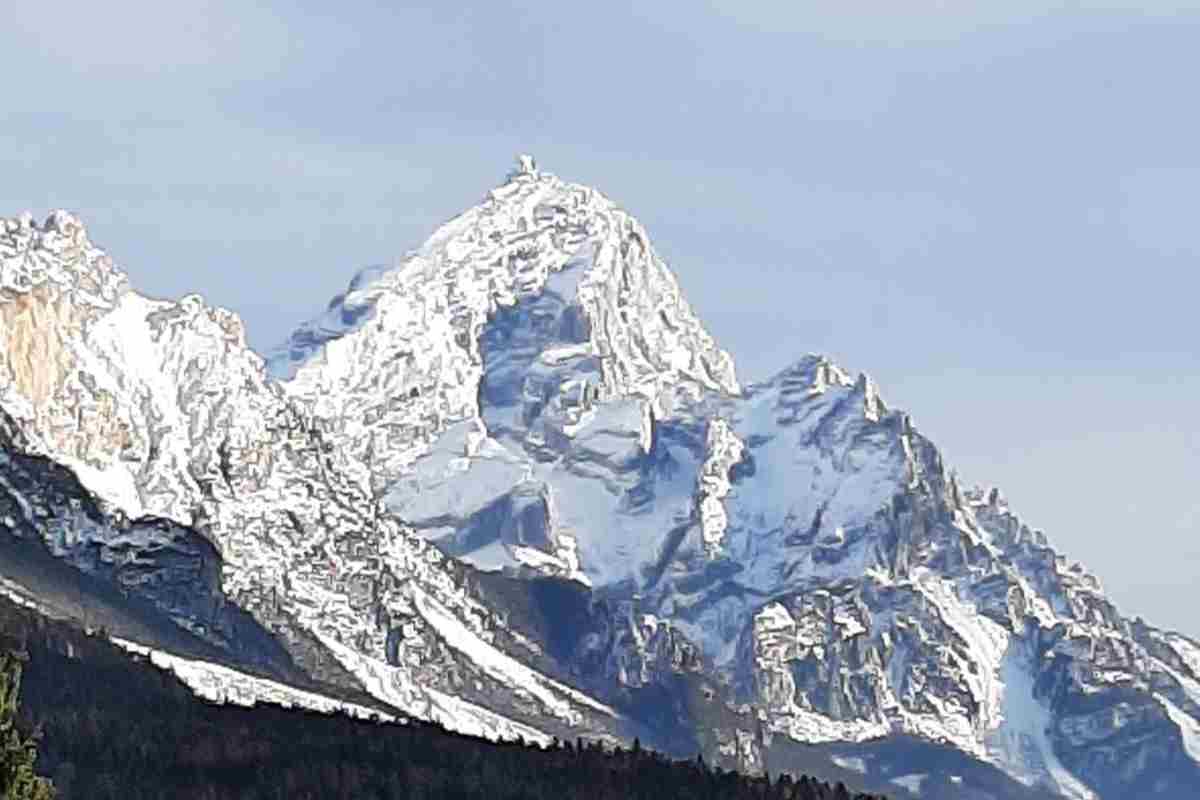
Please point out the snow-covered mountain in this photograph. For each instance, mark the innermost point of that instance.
(511, 484)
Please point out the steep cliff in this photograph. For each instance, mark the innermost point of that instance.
(511, 484)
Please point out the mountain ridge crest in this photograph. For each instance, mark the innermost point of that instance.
(511, 483)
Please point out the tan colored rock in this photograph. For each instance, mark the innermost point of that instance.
(34, 343)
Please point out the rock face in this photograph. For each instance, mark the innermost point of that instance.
(513, 485)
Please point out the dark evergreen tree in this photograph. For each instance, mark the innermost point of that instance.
(17, 751)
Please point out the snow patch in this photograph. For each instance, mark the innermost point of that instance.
(852, 763)
(986, 641)
(501, 666)
(391, 685)
(220, 684)
(1189, 729)
(1021, 745)
(912, 783)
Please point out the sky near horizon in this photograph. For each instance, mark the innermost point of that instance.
(990, 207)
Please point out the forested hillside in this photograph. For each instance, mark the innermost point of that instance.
(113, 726)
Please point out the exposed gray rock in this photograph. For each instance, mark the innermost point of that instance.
(511, 484)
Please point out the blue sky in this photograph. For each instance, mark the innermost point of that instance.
(988, 206)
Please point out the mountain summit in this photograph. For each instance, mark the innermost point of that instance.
(511, 484)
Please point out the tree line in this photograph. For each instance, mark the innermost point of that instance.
(106, 725)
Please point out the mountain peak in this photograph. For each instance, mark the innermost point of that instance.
(58, 221)
(529, 395)
(427, 327)
(57, 255)
(525, 165)
(89, 361)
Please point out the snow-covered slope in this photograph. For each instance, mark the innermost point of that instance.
(168, 425)
(510, 483)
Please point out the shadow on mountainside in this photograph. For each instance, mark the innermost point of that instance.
(96, 743)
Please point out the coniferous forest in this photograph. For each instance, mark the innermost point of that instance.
(111, 726)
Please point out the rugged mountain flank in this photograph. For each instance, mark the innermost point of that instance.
(511, 484)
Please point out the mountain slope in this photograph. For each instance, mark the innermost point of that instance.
(512, 484)
(97, 745)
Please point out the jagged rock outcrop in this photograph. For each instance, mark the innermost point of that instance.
(512, 484)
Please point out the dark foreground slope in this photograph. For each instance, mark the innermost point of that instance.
(114, 726)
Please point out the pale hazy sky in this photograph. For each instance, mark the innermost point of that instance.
(991, 207)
